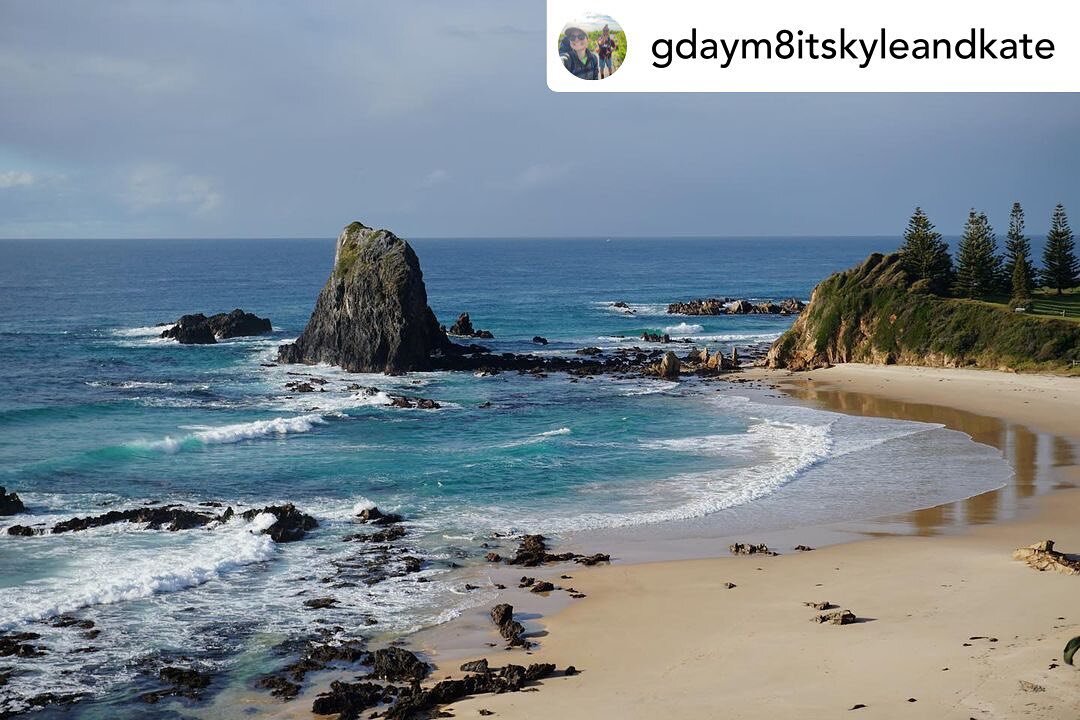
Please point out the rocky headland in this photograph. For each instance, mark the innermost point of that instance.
(876, 313)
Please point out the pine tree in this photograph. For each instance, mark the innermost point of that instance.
(1017, 248)
(978, 266)
(1021, 282)
(924, 255)
(1061, 269)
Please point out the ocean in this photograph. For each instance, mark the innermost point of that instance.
(98, 413)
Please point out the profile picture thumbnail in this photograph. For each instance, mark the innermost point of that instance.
(592, 47)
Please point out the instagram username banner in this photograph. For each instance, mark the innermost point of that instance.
(813, 46)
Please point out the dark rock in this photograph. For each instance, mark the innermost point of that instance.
(412, 564)
(348, 700)
(502, 613)
(320, 603)
(394, 532)
(539, 340)
(822, 605)
(375, 516)
(168, 517)
(238, 324)
(750, 549)
(187, 678)
(372, 315)
(18, 645)
(398, 665)
(191, 330)
(475, 666)
(803, 548)
(23, 531)
(291, 525)
(655, 337)
(570, 671)
(589, 351)
(511, 630)
(592, 559)
(542, 587)
(463, 326)
(279, 686)
(10, 504)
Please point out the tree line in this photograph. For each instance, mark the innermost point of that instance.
(980, 270)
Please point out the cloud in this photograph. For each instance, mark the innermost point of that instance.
(542, 174)
(434, 178)
(157, 186)
(15, 178)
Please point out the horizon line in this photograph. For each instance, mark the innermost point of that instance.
(690, 236)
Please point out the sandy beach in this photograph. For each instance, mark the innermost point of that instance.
(949, 625)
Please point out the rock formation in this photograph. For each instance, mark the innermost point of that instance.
(10, 504)
(730, 306)
(197, 329)
(875, 313)
(463, 327)
(372, 315)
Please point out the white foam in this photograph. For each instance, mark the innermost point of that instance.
(145, 331)
(537, 438)
(235, 433)
(104, 579)
(683, 329)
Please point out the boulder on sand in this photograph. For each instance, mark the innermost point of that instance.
(372, 315)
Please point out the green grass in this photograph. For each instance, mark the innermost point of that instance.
(1049, 304)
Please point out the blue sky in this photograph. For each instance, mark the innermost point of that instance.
(254, 119)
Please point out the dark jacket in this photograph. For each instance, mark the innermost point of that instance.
(587, 70)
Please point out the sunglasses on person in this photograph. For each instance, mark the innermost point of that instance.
(574, 37)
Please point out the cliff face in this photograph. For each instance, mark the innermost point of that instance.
(372, 315)
(873, 313)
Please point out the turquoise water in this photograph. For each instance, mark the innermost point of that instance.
(97, 412)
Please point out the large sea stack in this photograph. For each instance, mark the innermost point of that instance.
(372, 315)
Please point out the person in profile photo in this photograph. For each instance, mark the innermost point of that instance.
(606, 46)
(578, 59)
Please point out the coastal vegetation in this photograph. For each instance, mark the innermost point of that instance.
(917, 307)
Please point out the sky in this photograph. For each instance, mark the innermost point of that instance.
(139, 118)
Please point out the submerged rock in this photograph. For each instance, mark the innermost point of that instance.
(10, 504)
(372, 315)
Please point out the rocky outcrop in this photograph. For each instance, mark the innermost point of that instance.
(463, 327)
(735, 306)
(372, 315)
(291, 525)
(10, 504)
(1042, 556)
(875, 313)
(669, 366)
(197, 329)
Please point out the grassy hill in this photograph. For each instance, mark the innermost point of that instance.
(873, 313)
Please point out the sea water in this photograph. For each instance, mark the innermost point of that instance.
(97, 413)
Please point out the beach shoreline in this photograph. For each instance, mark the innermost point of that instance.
(668, 636)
